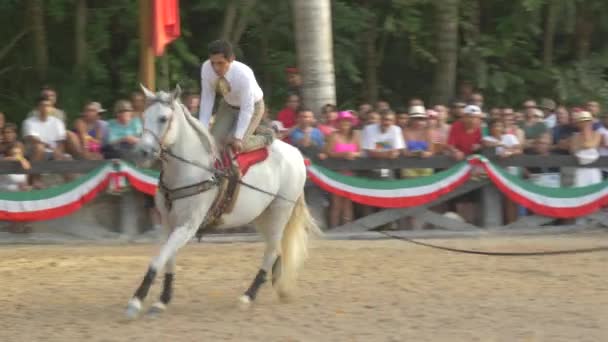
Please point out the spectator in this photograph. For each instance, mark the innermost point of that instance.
(543, 176)
(329, 114)
(457, 111)
(584, 145)
(45, 136)
(305, 135)
(138, 102)
(465, 91)
(402, 118)
(344, 144)
(520, 118)
(294, 81)
(91, 115)
(495, 114)
(15, 182)
(89, 145)
(438, 128)
(287, 116)
(477, 100)
(510, 125)
(417, 141)
(50, 94)
(548, 108)
(2, 122)
(534, 127)
(382, 106)
(123, 132)
(505, 145)
(364, 110)
(465, 134)
(603, 149)
(192, 101)
(373, 118)
(594, 108)
(416, 102)
(9, 139)
(562, 132)
(383, 141)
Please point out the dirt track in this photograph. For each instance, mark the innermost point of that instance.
(349, 291)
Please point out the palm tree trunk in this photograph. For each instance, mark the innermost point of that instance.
(229, 20)
(80, 39)
(35, 20)
(314, 45)
(447, 50)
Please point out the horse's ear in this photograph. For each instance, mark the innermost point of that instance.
(176, 93)
(149, 93)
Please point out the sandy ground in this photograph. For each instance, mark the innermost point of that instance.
(349, 291)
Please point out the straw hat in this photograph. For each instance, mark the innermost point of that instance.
(417, 112)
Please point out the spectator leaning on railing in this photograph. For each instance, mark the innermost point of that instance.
(465, 134)
(123, 132)
(344, 143)
(44, 136)
(305, 135)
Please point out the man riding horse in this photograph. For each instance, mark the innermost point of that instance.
(241, 108)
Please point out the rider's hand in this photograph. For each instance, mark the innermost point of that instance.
(237, 145)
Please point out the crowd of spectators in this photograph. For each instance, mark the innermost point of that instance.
(374, 131)
(380, 132)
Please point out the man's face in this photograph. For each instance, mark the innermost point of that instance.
(563, 117)
(220, 63)
(294, 79)
(593, 107)
(193, 102)
(306, 119)
(373, 118)
(477, 99)
(51, 95)
(542, 145)
(529, 104)
(44, 107)
(90, 113)
(402, 119)
(387, 120)
(382, 105)
(293, 102)
(9, 134)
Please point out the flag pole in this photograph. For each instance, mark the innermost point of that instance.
(147, 71)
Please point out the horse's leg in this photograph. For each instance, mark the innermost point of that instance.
(270, 224)
(178, 238)
(167, 292)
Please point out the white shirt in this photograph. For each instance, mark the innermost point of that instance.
(244, 93)
(508, 141)
(551, 121)
(51, 131)
(373, 138)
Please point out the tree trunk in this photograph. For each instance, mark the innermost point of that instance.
(35, 20)
(584, 30)
(447, 50)
(314, 45)
(229, 20)
(371, 62)
(243, 21)
(80, 39)
(548, 42)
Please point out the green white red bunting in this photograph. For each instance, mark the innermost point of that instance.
(64, 199)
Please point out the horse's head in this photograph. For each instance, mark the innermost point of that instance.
(160, 129)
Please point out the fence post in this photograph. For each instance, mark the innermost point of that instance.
(128, 214)
(491, 205)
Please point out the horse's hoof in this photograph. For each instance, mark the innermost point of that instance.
(244, 301)
(156, 310)
(133, 308)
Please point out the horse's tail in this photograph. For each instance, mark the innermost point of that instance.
(294, 246)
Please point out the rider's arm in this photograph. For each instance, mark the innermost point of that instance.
(207, 94)
(247, 108)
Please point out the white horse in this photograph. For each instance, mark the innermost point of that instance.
(188, 153)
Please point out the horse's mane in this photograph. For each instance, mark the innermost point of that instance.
(206, 137)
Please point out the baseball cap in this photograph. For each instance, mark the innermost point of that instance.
(472, 110)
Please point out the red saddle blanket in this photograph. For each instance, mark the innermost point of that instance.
(244, 160)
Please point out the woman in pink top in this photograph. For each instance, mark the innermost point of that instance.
(343, 143)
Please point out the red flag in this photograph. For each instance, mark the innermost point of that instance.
(165, 23)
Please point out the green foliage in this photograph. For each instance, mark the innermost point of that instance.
(501, 53)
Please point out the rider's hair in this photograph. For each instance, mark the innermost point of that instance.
(221, 47)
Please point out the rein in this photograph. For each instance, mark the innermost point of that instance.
(194, 189)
